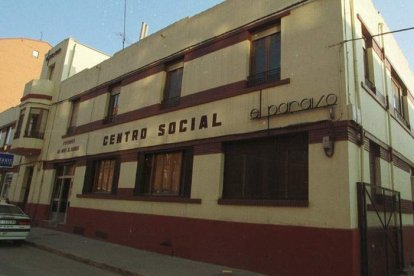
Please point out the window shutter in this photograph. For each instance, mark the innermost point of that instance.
(88, 181)
(116, 176)
(187, 173)
(139, 179)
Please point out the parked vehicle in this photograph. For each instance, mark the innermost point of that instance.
(14, 223)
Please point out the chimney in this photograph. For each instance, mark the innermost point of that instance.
(144, 30)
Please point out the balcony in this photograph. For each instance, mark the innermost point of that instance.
(264, 77)
(27, 146)
(37, 90)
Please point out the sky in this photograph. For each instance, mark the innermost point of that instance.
(99, 23)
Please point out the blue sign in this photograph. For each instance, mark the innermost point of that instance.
(6, 160)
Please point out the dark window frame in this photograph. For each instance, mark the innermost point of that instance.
(144, 179)
(92, 175)
(36, 123)
(113, 104)
(173, 84)
(73, 116)
(375, 163)
(20, 123)
(269, 73)
(251, 167)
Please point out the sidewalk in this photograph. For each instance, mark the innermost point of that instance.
(121, 259)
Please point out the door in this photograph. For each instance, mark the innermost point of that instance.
(61, 193)
(28, 175)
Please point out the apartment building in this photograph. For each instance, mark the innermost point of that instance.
(277, 140)
(21, 61)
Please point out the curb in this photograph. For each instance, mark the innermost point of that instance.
(103, 266)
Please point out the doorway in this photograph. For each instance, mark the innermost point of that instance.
(61, 193)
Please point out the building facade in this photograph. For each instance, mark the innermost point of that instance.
(21, 61)
(277, 140)
(22, 128)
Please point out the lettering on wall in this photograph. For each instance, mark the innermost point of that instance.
(295, 106)
(180, 126)
(68, 146)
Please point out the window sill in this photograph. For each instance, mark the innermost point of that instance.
(264, 202)
(403, 124)
(142, 198)
(268, 84)
(378, 97)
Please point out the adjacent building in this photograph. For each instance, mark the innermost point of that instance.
(278, 139)
(21, 61)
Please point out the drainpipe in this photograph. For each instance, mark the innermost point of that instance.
(385, 84)
(357, 89)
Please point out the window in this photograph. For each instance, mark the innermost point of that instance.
(36, 123)
(165, 173)
(74, 116)
(35, 54)
(19, 124)
(398, 94)
(374, 164)
(113, 104)
(50, 71)
(265, 56)
(6, 137)
(274, 168)
(172, 91)
(368, 79)
(102, 176)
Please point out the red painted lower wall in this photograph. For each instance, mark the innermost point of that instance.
(270, 249)
(38, 212)
(408, 239)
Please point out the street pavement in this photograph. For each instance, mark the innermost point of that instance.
(121, 259)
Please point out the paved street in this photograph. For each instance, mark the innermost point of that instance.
(27, 260)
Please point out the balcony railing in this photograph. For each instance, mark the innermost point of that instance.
(34, 134)
(401, 118)
(264, 77)
(40, 87)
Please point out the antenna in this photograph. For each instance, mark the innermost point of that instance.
(123, 36)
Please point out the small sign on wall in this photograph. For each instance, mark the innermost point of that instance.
(6, 160)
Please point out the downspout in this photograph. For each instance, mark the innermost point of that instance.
(357, 90)
(385, 83)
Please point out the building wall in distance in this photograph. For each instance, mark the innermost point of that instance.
(21, 60)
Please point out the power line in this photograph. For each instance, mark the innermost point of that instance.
(381, 34)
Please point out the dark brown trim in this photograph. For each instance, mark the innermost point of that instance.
(12, 125)
(208, 149)
(203, 97)
(388, 64)
(270, 203)
(383, 102)
(339, 131)
(92, 93)
(407, 206)
(36, 96)
(400, 163)
(143, 74)
(385, 154)
(129, 157)
(343, 130)
(194, 51)
(410, 97)
(213, 46)
(402, 124)
(25, 151)
(166, 199)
